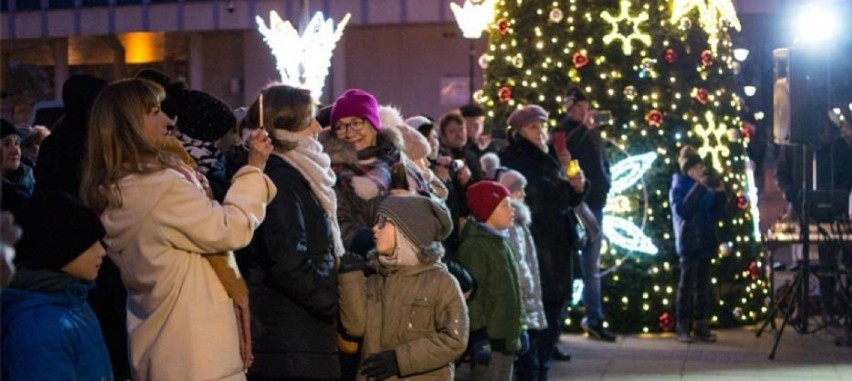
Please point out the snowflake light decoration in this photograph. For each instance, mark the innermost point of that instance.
(302, 61)
(712, 135)
(636, 21)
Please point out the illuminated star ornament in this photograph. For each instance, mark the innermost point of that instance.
(302, 61)
(473, 18)
(635, 21)
(712, 16)
(712, 135)
(621, 231)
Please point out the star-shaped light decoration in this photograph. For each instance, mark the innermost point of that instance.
(302, 61)
(618, 230)
(473, 17)
(712, 134)
(712, 16)
(635, 21)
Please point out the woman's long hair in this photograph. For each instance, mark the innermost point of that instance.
(116, 144)
(284, 108)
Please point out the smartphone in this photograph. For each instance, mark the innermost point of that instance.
(559, 141)
(601, 118)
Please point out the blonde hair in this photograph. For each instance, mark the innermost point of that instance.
(284, 108)
(116, 145)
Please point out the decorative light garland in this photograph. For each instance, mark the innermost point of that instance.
(302, 61)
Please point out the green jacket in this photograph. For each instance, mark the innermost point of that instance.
(496, 304)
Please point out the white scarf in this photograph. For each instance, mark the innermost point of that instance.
(315, 165)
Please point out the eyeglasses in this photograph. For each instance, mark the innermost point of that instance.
(356, 125)
(382, 221)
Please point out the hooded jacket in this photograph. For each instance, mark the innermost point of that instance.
(496, 304)
(180, 320)
(523, 246)
(51, 334)
(416, 311)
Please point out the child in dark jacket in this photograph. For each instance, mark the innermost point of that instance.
(496, 310)
(697, 202)
(49, 330)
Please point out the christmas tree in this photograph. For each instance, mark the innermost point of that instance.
(664, 70)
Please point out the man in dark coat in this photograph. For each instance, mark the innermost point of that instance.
(586, 146)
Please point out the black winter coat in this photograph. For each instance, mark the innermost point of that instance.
(292, 283)
(550, 197)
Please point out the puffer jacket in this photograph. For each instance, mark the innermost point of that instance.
(496, 304)
(522, 244)
(289, 267)
(695, 212)
(51, 335)
(416, 311)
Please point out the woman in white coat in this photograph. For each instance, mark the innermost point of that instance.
(180, 321)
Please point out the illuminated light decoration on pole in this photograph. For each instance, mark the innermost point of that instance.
(473, 18)
(302, 61)
(751, 191)
(718, 149)
(636, 34)
(749, 91)
(577, 292)
(620, 231)
(741, 54)
(712, 15)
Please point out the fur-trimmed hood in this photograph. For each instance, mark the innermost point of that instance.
(523, 215)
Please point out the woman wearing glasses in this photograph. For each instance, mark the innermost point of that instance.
(290, 266)
(180, 320)
(362, 152)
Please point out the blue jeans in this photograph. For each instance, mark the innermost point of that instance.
(590, 265)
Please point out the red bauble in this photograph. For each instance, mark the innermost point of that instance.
(504, 94)
(706, 58)
(748, 130)
(701, 95)
(580, 60)
(753, 270)
(654, 117)
(666, 321)
(503, 26)
(742, 200)
(671, 55)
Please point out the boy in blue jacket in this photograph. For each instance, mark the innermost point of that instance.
(697, 201)
(49, 330)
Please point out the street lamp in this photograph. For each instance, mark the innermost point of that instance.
(473, 18)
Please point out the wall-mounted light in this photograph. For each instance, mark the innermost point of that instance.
(741, 54)
(749, 90)
(759, 115)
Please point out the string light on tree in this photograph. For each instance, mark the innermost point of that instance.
(712, 16)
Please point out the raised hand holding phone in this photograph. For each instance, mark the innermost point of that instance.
(560, 141)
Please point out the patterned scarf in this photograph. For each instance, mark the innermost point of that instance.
(205, 153)
(315, 165)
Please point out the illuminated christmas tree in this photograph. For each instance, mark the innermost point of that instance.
(663, 68)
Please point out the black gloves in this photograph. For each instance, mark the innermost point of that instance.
(362, 242)
(480, 347)
(351, 262)
(461, 274)
(380, 366)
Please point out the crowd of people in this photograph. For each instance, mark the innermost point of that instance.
(166, 236)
